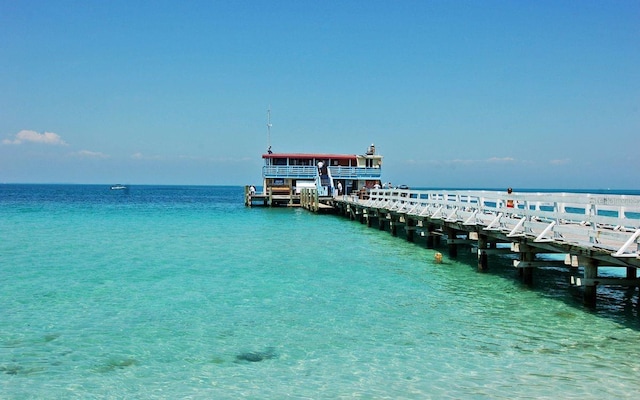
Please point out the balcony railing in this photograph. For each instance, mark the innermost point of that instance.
(310, 172)
(355, 173)
(287, 171)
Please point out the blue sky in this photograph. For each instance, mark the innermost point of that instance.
(465, 94)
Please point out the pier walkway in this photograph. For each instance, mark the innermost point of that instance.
(590, 230)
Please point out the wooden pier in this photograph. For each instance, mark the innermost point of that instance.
(590, 230)
(275, 197)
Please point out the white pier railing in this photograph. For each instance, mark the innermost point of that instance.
(593, 221)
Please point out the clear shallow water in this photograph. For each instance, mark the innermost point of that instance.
(168, 292)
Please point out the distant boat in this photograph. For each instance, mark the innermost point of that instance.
(119, 187)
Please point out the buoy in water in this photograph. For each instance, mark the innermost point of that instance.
(438, 258)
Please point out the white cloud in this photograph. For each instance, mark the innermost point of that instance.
(140, 156)
(560, 162)
(91, 154)
(498, 159)
(25, 136)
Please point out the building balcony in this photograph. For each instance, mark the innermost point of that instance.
(310, 172)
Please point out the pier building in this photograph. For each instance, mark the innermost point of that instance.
(286, 176)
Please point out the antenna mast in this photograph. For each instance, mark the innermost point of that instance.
(269, 129)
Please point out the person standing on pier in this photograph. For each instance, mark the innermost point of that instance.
(371, 150)
(510, 203)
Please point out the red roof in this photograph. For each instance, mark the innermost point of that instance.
(311, 156)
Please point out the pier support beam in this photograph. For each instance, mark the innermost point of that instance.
(590, 274)
(393, 225)
(482, 253)
(429, 240)
(527, 272)
(351, 212)
(410, 228)
(453, 247)
(525, 265)
(430, 236)
(381, 220)
(369, 219)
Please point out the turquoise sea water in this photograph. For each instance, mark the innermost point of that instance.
(182, 292)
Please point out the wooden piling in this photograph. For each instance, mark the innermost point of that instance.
(453, 247)
(527, 272)
(590, 275)
(393, 225)
(410, 228)
(381, 221)
(482, 253)
(430, 236)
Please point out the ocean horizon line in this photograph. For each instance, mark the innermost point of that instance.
(621, 191)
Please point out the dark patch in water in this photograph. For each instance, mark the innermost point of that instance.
(16, 369)
(51, 337)
(565, 314)
(11, 369)
(117, 363)
(257, 356)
